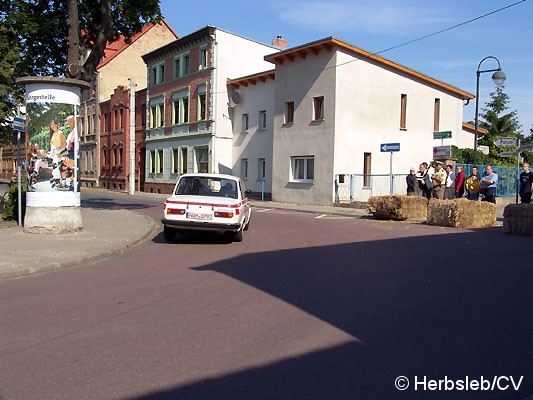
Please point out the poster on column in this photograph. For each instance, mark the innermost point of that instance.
(53, 145)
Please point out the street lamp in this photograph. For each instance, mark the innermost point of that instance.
(498, 77)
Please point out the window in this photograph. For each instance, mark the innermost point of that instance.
(184, 160)
(202, 111)
(180, 109)
(367, 162)
(157, 114)
(119, 157)
(436, 115)
(121, 119)
(104, 123)
(244, 168)
(289, 112)
(262, 119)
(181, 65)
(303, 168)
(175, 161)
(186, 64)
(202, 160)
(318, 108)
(245, 122)
(115, 124)
(159, 161)
(104, 153)
(203, 58)
(403, 112)
(143, 115)
(157, 74)
(261, 168)
(152, 162)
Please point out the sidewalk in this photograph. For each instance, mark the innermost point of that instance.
(104, 233)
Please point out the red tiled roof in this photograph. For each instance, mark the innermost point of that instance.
(114, 49)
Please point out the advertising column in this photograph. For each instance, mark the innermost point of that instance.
(53, 192)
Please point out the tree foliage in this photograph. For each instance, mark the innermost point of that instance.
(35, 38)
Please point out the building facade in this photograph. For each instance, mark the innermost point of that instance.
(335, 106)
(121, 62)
(189, 127)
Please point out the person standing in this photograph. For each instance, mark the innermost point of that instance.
(411, 183)
(459, 182)
(424, 182)
(449, 193)
(438, 181)
(489, 182)
(526, 181)
(473, 185)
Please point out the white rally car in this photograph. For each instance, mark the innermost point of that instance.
(207, 202)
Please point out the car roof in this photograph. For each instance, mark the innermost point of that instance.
(207, 175)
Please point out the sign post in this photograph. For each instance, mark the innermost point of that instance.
(19, 125)
(390, 148)
(442, 152)
(511, 142)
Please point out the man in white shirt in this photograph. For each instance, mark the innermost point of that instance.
(449, 193)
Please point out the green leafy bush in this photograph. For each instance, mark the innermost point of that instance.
(10, 205)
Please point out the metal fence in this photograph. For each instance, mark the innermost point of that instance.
(359, 187)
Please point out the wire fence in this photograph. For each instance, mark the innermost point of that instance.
(360, 187)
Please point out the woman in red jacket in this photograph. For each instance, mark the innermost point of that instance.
(459, 182)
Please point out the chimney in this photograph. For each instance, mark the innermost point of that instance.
(279, 43)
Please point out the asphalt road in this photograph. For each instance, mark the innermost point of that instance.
(306, 307)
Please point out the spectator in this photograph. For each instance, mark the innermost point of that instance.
(412, 185)
(459, 182)
(424, 181)
(473, 185)
(489, 182)
(449, 192)
(438, 181)
(526, 181)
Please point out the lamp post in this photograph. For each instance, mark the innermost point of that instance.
(498, 77)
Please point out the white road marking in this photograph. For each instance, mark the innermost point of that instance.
(321, 216)
(264, 210)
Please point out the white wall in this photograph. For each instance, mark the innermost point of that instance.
(368, 114)
(256, 143)
(300, 81)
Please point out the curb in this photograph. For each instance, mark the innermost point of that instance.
(54, 266)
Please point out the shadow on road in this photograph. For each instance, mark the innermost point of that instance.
(453, 305)
(194, 238)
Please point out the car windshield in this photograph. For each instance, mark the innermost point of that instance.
(207, 186)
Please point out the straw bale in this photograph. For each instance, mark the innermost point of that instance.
(518, 219)
(461, 213)
(398, 207)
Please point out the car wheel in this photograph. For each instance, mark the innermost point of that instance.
(238, 236)
(169, 234)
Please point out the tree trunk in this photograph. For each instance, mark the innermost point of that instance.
(73, 54)
(98, 49)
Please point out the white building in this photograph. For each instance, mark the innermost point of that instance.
(334, 106)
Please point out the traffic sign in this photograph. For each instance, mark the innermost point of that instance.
(389, 147)
(527, 147)
(442, 135)
(506, 142)
(19, 124)
(508, 154)
(442, 151)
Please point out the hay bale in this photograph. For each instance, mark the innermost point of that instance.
(518, 219)
(461, 213)
(398, 207)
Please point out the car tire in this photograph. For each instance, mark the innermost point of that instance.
(169, 233)
(247, 224)
(238, 236)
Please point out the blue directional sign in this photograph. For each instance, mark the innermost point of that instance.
(19, 124)
(389, 147)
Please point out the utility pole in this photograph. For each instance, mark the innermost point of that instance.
(132, 135)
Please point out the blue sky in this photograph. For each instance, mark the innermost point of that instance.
(373, 25)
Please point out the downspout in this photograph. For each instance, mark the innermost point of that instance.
(214, 72)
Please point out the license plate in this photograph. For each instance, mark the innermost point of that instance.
(193, 215)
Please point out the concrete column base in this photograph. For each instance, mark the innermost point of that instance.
(53, 220)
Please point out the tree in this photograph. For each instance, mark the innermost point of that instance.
(47, 37)
(498, 124)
